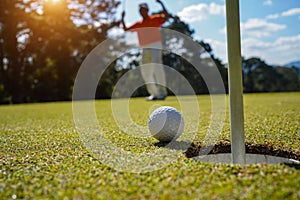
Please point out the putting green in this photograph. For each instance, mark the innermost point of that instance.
(42, 156)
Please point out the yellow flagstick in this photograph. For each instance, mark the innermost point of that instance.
(235, 82)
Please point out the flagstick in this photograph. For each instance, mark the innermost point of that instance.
(235, 82)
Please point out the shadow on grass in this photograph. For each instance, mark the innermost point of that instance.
(296, 166)
(175, 145)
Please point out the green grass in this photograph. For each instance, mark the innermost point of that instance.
(42, 156)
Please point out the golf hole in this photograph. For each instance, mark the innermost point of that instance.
(255, 154)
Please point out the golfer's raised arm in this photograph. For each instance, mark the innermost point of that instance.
(165, 12)
(123, 22)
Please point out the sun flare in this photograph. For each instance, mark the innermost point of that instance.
(54, 1)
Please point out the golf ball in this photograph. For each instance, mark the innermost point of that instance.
(166, 123)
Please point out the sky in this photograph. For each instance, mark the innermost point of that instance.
(270, 29)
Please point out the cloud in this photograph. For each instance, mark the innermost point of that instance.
(201, 12)
(288, 13)
(287, 43)
(273, 16)
(280, 51)
(267, 3)
(291, 12)
(260, 27)
(219, 48)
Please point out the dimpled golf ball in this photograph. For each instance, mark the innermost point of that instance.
(166, 124)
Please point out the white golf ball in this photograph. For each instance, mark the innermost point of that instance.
(166, 124)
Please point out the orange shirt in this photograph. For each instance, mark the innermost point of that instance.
(151, 35)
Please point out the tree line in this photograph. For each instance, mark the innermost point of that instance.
(43, 43)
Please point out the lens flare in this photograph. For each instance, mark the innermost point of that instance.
(53, 1)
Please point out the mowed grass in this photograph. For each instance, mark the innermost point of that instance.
(42, 156)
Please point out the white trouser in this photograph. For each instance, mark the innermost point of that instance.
(153, 74)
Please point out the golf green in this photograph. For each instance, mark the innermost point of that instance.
(43, 157)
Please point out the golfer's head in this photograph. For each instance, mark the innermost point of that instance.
(144, 9)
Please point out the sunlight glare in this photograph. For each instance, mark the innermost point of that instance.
(54, 1)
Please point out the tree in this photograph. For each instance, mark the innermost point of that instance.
(258, 76)
(11, 69)
(44, 42)
(248, 76)
(290, 78)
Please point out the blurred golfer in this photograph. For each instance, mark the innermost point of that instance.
(151, 43)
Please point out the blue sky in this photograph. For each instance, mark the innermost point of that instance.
(270, 29)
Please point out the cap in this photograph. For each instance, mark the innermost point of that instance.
(144, 5)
